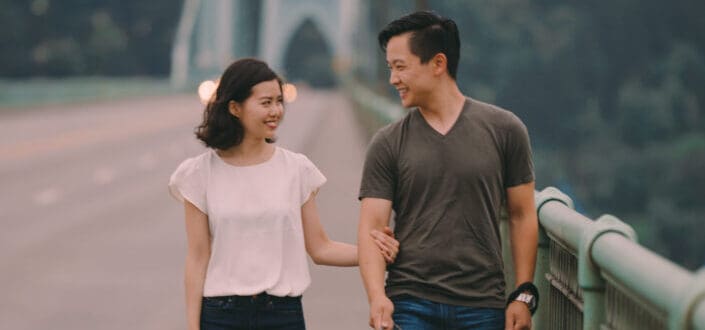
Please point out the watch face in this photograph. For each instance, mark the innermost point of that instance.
(528, 299)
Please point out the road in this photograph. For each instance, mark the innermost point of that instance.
(92, 240)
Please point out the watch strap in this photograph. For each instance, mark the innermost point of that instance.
(526, 287)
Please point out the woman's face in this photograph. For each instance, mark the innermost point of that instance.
(260, 113)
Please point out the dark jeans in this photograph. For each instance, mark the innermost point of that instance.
(411, 313)
(261, 311)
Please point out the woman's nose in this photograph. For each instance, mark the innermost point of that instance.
(277, 110)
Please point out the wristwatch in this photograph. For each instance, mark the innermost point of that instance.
(528, 299)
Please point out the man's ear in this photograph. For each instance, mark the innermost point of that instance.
(440, 63)
(234, 108)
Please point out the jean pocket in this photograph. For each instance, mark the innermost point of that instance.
(214, 302)
(286, 307)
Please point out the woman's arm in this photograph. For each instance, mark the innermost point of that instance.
(197, 257)
(325, 251)
(322, 249)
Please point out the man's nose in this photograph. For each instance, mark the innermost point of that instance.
(393, 78)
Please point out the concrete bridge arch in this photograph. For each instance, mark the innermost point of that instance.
(212, 33)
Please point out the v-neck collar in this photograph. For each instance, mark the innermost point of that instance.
(466, 107)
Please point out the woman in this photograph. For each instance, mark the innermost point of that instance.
(251, 213)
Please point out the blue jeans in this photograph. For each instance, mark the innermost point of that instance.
(411, 313)
(261, 311)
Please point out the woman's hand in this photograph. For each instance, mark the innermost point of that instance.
(387, 244)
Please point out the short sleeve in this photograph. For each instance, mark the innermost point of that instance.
(189, 182)
(311, 179)
(378, 173)
(519, 166)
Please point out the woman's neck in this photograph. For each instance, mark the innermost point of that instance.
(249, 152)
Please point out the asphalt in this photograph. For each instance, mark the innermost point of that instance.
(91, 238)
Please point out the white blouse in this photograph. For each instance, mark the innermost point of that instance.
(254, 215)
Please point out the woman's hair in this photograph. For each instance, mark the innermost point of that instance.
(220, 129)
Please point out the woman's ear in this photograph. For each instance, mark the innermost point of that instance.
(234, 108)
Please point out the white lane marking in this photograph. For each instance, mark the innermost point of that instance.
(47, 196)
(104, 176)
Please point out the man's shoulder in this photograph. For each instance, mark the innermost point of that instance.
(393, 129)
(494, 114)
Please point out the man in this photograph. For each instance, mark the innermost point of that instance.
(447, 168)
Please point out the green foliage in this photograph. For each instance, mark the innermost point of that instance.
(54, 38)
(613, 94)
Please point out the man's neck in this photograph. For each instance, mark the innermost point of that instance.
(443, 106)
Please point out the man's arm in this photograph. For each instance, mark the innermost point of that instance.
(523, 229)
(374, 214)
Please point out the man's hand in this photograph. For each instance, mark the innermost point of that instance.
(518, 316)
(381, 310)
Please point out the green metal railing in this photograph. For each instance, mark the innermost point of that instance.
(592, 274)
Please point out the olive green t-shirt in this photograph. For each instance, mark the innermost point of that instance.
(446, 193)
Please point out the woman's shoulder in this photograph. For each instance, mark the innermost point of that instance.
(290, 157)
(196, 163)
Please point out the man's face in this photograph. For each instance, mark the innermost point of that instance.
(412, 79)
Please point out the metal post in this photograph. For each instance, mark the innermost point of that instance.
(589, 278)
(541, 318)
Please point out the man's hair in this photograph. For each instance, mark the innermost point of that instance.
(430, 34)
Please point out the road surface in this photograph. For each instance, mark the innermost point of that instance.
(92, 240)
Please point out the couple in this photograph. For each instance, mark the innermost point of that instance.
(446, 169)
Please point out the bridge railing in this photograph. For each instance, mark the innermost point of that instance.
(591, 274)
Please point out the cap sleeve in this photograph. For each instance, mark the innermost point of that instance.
(189, 181)
(311, 179)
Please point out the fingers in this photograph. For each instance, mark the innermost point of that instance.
(387, 239)
(388, 255)
(509, 320)
(517, 318)
(382, 322)
(388, 246)
(386, 321)
(388, 231)
(381, 310)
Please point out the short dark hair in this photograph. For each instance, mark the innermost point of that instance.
(430, 34)
(220, 129)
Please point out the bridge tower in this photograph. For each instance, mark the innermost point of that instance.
(212, 33)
